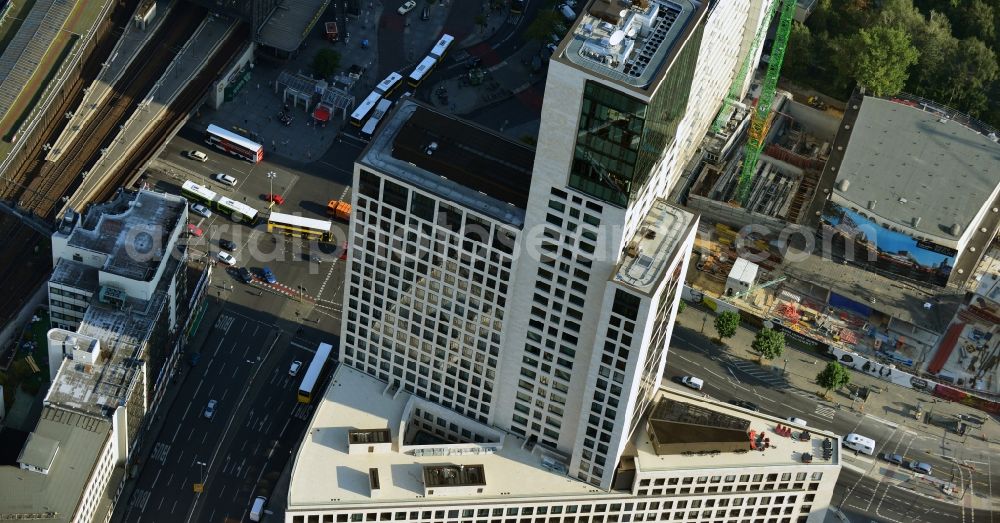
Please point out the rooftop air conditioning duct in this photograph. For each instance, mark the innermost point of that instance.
(843, 185)
(955, 229)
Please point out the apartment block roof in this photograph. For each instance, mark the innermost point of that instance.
(453, 159)
(653, 247)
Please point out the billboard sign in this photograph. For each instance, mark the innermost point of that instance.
(862, 241)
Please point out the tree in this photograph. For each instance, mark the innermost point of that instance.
(681, 306)
(833, 376)
(971, 69)
(481, 22)
(878, 58)
(325, 62)
(542, 26)
(726, 324)
(799, 57)
(768, 344)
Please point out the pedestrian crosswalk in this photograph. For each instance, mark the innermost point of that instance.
(514, 19)
(225, 321)
(302, 411)
(160, 452)
(825, 412)
(139, 499)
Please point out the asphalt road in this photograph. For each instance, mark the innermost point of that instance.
(882, 494)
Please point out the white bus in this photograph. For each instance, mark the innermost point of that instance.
(423, 69)
(237, 211)
(308, 228)
(372, 124)
(311, 377)
(364, 108)
(441, 47)
(387, 86)
(234, 144)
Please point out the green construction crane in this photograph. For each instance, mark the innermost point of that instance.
(737, 86)
(761, 119)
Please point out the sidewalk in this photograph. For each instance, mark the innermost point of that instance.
(889, 404)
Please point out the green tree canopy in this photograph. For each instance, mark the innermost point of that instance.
(878, 58)
(768, 344)
(325, 62)
(726, 324)
(542, 26)
(833, 376)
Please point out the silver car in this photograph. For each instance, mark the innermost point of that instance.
(210, 409)
(201, 210)
(225, 178)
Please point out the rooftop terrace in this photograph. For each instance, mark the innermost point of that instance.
(630, 42)
(455, 160)
(652, 248)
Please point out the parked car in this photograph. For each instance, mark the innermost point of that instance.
(210, 409)
(425, 15)
(268, 275)
(798, 421)
(224, 178)
(920, 467)
(693, 382)
(294, 369)
(228, 245)
(227, 258)
(749, 405)
(245, 275)
(407, 7)
(195, 231)
(893, 458)
(201, 210)
(197, 156)
(277, 199)
(194, 359)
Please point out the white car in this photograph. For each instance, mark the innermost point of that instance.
(201, 210)
(294, 369)
(209, 412)
(197, 155)
(225, 178)
(407, 7)
(798, 421)
(227, 258)
(693, 382)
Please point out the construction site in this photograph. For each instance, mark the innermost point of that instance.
(806, 225)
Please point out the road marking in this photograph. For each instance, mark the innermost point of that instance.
(301, 346)
(825, 412)
(198, 387)
(721, 377)
(883, 421)
(175, 434)
(157, 478)
(185, 415)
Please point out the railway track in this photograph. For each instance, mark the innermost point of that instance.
(53, 180)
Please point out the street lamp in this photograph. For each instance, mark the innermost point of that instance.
(202, 464)
(785, 366)
(271, 175)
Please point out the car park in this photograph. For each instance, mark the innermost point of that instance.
(893, 458)
(294, 369)
(227, 258)
(407, 7)
(693, 382)
(749, 405)
(197, 156)
(228, 245)
(201, 210)
(268, 275)
(225, 178)
(245, 275)
(209, 412)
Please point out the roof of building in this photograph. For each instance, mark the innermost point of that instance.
(80, 439)
(454, 159)
(744, 270)
(325, 473)
(289, 25)
(630, 43)
(75, 274)
(39, 451)
(714, 419)
(653, 247)
(922, 171)
(133, 230)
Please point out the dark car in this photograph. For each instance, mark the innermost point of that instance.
(228, 245)
(245, 275)
(268, 275)
(893, 458)
(749, 405)
(194, 359)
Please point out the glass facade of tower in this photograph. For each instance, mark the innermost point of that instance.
(620, 138)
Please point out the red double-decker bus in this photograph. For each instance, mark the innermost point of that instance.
(234, 144)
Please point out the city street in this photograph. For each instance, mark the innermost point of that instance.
(878, 491)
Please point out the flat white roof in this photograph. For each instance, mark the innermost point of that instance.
(325, 474)
(744, 270)
(784, 450)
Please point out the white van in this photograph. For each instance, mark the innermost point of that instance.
(257, 510)
(860, 443)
